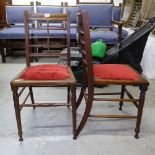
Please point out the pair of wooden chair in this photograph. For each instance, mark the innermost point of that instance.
(39, 43)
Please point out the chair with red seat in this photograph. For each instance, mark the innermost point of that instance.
(40, 42)
(107, 74)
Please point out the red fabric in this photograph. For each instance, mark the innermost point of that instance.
(114, 71)
(46, 72)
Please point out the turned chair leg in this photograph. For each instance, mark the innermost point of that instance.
(143, 89)
(17, 112)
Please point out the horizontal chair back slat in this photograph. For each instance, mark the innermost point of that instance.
(43, 16)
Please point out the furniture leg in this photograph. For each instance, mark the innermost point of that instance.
(31, 96)
(122, 96)
(17, 112)
(73, 98)
(87, 111)
(3, 55)
(143, 89)
(68, 96)
(80, 96)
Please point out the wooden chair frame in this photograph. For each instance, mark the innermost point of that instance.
(90, 82)
(18, 85)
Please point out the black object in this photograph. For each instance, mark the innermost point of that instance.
(130, 50)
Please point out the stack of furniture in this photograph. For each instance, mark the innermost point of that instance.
(101, 19)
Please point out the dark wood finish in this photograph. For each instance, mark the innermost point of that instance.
(2, 53)
(7, 47)
(2, 12)
(119, 25)
(3, 23)
(90, 82)
(31, 52)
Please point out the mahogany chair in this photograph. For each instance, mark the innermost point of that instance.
(107, 74)
(40, 31)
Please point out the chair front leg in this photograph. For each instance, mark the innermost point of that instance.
(17, 112)
(143, 89)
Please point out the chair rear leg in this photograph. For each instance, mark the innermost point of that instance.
(143, 89)
(68, 96)
(73, 101)
(86, 113)
(17, 112)
(83, 89)
(31, 96)
(122, 96)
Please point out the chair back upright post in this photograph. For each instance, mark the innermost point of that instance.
(68, 41)
(27, 48)
(39, 35)
(85, 43)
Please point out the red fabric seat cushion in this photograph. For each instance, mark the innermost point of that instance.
(46, 72)
(114, 71)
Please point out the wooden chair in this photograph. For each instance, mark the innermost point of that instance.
(107, 74)
(39, 40)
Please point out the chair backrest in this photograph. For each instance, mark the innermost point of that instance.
(100, 15)
(15, 14)
(42, 38)
(94, 2)
(117, 12)
(49, 9)
(85, 44)
(73, 13)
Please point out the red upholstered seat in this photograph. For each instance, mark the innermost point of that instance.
(114, 71)
(46, 72)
